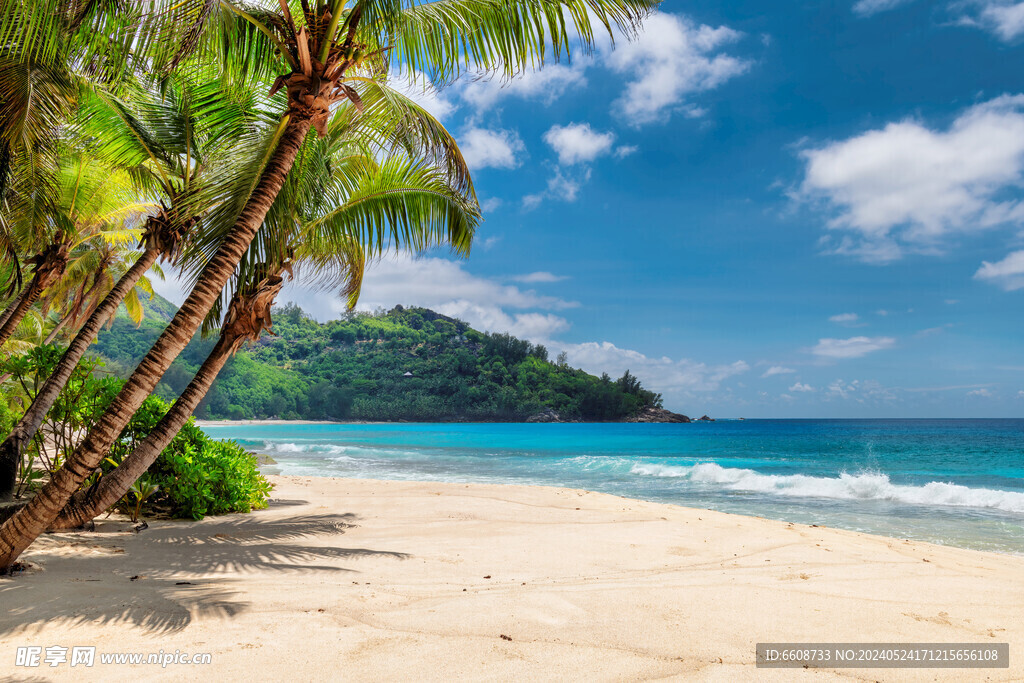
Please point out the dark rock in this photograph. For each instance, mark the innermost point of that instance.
(658, 415)
(705, 418)
(546, 415)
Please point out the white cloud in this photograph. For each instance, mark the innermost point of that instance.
(907, 185)
(845, 318)
(868, 391)
(578, 142)
(660, 374)
(560, 187)
(1002, 18)
(418, 88)
(868, 7)
(672, 58)
(854, 347)
(484, 148)
(1008, 273)
(983, 393)
(777, 370)
(488, 243)
(491, 204)
(800, 387)
(623, 151)
(537, 277)
(447, 287)
(545, 84)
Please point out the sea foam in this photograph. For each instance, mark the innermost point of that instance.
(860, 486)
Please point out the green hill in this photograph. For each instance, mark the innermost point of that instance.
(409, 364)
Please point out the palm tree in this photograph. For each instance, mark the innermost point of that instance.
(313, 228)
(324, 50)
(169, 140)
(50, 50)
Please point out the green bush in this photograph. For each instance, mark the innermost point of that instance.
(194, 476)
(210, 478)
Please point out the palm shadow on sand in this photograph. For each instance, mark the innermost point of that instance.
(172, 568)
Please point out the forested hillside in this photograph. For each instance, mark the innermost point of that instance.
(407, 364)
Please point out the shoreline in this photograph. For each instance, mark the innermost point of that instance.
(390, 578)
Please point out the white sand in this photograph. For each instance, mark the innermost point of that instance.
(371, 580)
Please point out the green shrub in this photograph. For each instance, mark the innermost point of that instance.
(210, 478)
(194, 476)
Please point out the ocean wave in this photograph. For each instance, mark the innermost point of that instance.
(320, 449)
(861, 486)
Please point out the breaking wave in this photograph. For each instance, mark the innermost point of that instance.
(861, 486)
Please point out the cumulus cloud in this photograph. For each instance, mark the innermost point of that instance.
(854, 347)
(800, 387)
(623, 151)
(661, 374)
(983, 393)
(491, 204)
(672, 58)
(1008, 273)
(546, 85)
(845, 318)
(447, 287)
(561, 186)
(777, 370)
(417, 87)
(907, 185)
(1003, 18)
(483, 148)
(578, 142)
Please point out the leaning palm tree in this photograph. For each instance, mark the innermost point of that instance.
(169, 138)
(314, 228)
(319, 53)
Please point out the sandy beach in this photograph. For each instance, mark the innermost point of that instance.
(370, 580)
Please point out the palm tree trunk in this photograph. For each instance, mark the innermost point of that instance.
(248, 315)
(50, 265)
(85, 505)
(18, 311)
(25, 525)
(57, 328)
(14, 445)
(5, 316)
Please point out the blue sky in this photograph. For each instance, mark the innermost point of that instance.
(807, 211)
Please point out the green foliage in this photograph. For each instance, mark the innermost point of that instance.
(83, 399)
(354, 369)
(210, 478)
(193, 477)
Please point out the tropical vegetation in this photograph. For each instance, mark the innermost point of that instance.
(247, 142)
(356, 368)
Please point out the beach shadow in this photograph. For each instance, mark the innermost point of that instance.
(159, 580)
(285, 502)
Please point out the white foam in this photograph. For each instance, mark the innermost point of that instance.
(862, 486)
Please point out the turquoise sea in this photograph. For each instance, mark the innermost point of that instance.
(957, 482)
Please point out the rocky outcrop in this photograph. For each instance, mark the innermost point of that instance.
(546, 415)
(658, 415)
(705, 418)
